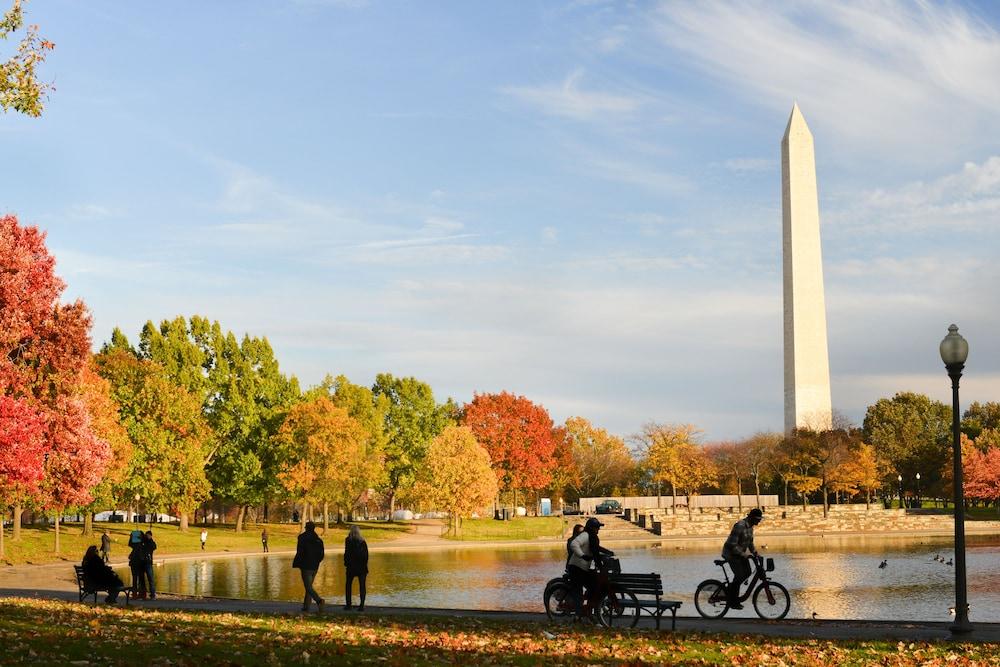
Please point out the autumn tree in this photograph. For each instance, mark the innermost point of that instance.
(982, 475)
(799, 460)
(518, 434)
(979, 417)
(325, 454)
(731, 461)
(104, 422)
(862, 471)
(457, 475)
(601, 462)
(44, 347)
(22, 452)
(673, 455)
(170, 437)
(20, 88)
(761, 451)
(412, 419)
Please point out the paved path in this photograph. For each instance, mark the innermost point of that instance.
(800, 629)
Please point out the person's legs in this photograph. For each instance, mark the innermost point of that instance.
(741, 572)
(151, 582)
(307, 582)
(139, 582)
(361, 590)
(347, 590)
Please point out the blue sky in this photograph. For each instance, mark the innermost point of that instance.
(576, 201)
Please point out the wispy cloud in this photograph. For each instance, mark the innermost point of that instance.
(567, 99)
(885, 75)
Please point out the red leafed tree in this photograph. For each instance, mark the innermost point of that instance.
(44, 347)
(518, 435)
(22, 451)
(982, 475)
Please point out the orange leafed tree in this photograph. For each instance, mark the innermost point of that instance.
(457, 475)
(518, 435)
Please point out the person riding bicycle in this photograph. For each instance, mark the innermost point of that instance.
(586, 551)
(738, 550)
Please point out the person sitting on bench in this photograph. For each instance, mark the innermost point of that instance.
(98, 575)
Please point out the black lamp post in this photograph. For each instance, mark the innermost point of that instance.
(918, 490)
(954, 352)
(902, 505)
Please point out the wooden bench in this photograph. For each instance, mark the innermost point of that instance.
(644, 587)
(87, 588)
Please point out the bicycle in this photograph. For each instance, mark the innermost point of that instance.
(770, 599)
(563, 600)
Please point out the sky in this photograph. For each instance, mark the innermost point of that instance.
(578, 202)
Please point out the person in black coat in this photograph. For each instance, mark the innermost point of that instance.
(309, 553)
(100, 575)
(137, 563)
(356, 562)
(148, 547)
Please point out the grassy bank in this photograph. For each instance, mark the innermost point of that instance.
(37, 542)
(521, 528)
(50, 632)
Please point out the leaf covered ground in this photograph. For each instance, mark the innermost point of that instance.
(53, 632)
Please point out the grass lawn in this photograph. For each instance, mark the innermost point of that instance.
(521, 528)
(65, 633)
(37, 542)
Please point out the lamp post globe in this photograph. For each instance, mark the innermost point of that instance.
(954, 351)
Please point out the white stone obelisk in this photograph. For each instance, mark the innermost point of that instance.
(807, 362)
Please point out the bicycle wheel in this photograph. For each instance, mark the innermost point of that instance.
(772, 611)
(611, 613)
(710, 599)
(560, 603)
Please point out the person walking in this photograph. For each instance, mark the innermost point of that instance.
(263, 539)
(356, 562)
(105, 546)
(148, 547)
(309, 553)
(204, 537)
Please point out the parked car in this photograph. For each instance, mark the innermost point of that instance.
(608, 507)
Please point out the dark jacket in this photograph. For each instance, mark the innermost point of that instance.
(356, 556)
(137, 557)
(98, 574)
(105, 543)
(308, 552)
(148, 546)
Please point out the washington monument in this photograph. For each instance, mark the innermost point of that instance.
(807, 364)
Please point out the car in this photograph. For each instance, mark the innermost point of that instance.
(608, 507)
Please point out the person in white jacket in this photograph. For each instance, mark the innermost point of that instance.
(585, 553)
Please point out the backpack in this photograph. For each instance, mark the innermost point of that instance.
(135, 538)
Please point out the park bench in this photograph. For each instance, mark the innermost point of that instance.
(648, 592)
(87, 588)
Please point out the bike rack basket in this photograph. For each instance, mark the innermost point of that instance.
(769, 565)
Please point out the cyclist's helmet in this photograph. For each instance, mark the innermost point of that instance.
(593, 524)
(755, 513)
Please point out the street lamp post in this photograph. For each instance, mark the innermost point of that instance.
(918, 489)
(954, 352)
(135, 515)
(899, 478)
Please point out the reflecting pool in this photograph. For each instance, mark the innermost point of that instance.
(831, 577)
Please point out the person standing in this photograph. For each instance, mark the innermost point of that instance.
(148, 547)
(137, 564)
(309, 553)
(738, 550)
(105, 546)
(356, 562)
(204, 537)
(263, 539)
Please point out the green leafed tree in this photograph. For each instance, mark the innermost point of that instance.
(412, 419)
(244, 399)
(20, 87)
(910, 434)
(170, 438)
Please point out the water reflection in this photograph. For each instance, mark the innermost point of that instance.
(833, 578)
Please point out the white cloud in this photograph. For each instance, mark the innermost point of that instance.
(550, 234)
(568, 100)
(883, 77)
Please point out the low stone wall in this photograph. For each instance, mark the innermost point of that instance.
(793, 520)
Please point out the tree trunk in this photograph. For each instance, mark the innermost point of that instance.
(88, 523)
(240, 516)
(868, 499)
(326, 516)
(803, 502)
(786, 492)
(689, 503)
(392, 505)
(302, 516)
(3, 517)
(58, 512)
(16, 533)
(182, 523)
(826, 501)
(673, 491)
(756, 488)
(739, 494)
